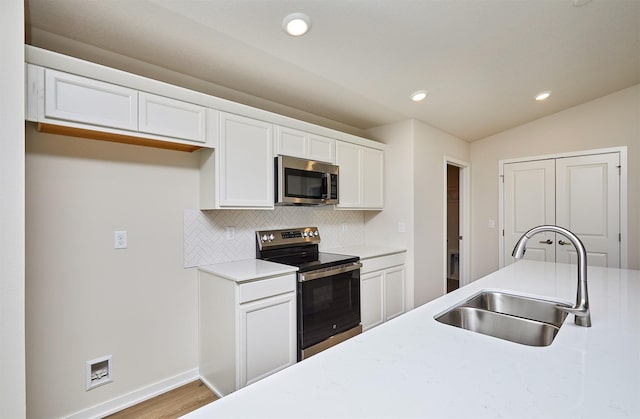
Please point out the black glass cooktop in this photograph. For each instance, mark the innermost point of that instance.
(311, 261)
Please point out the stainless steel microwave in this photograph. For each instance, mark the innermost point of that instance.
(305, 182)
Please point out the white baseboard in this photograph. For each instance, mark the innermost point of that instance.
(137, 396)
(211, 387)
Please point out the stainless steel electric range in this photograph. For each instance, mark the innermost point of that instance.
(328, 287)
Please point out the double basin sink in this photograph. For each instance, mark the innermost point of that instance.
(519, 319)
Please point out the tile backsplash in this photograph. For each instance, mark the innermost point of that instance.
(208, 239)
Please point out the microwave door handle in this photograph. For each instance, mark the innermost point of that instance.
(325, 186)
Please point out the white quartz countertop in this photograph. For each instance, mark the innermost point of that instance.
(365, 251)
(416, 367)
(247, 270)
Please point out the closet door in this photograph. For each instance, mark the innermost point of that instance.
(588, 204)
(529, 201)
(579, 193)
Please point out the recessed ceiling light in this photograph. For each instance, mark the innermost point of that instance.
(419, 95)
(578, 3)
(543, 95)
(296, 24)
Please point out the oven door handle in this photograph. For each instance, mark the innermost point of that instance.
(334, 270)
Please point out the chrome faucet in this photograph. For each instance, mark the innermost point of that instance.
(581, 309)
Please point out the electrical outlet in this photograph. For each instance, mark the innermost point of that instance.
(99, 371)
(231, 233)
(401, 227)
(120, 239)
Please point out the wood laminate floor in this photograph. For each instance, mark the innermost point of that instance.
(172, 404)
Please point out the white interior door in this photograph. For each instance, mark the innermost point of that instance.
(579, 193)
(588, 204)
(529, 201)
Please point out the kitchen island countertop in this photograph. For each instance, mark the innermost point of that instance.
(416, 367)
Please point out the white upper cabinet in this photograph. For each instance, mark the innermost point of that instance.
(372, 178)
(295, 143)
(349, 160)
(239, 174)
(68, 96)
(171, 118)
(97, 109)
(322, 148)
(361, 180)
(78, 99)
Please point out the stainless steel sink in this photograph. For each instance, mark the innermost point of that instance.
(524, 320)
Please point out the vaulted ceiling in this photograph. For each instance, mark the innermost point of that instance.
(482, 61)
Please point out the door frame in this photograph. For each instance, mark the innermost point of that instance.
(464, 249)
(624, 261)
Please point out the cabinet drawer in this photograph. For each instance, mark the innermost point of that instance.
(172, 118)
(266, 288)
(382, 262)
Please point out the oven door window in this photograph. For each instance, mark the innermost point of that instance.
(327, 306)
(304, 184)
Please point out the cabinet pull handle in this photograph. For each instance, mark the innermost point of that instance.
(547, 241)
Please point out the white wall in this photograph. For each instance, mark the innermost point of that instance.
(12, 221)
(381, 227)
(610, 121)
(86, 299)
(415, 192)
(432, 145)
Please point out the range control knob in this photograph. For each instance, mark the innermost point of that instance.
(315, 233)
(305, 234)
(264, 238)
(271, 237)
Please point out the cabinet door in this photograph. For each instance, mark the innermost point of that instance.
(172, 118)
(291, 142)
(267, 337)
(371, 299)
(372, 178)
(246, 162)
(349, 158)
(393, 292)
(321, 148)
(79, 99)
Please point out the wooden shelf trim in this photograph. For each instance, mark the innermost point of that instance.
(115, 138)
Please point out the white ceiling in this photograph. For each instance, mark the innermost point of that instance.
(482, 61)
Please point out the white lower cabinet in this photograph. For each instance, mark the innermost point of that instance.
(382, 289)
(265, 337)
(247, 330)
